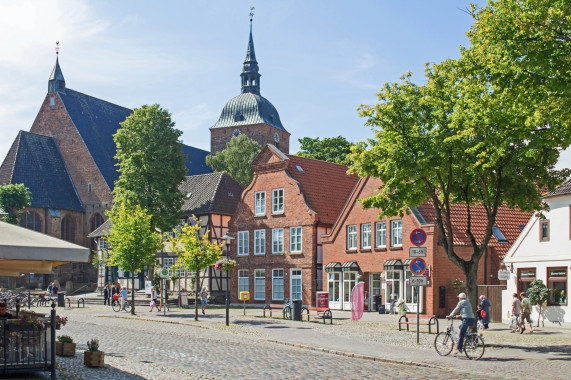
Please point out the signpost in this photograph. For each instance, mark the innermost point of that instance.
(164, 274)
(418, 268)
(503, 274)
(418, 237)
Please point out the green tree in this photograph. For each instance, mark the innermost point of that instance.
(13, 200)
(331, 149)
(236, 159)
(195, 253)
(132, 242)
(538, 295)
(151, 165)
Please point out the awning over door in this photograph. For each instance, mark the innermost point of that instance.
(350, 266)
(333, 267)
(394, 264)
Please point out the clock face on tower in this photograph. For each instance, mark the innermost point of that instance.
(276, 137)
(236, 132)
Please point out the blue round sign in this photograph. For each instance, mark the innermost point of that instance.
(418, 237)
(417, 266)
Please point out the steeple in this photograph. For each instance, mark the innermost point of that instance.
(250, 75)
(56, 81)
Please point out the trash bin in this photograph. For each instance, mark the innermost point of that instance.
(296, 310)
(377, 301)
(60, 300)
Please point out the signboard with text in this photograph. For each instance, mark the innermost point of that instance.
(417, 251)
(503, 274)
(418, 280)
(322, 299)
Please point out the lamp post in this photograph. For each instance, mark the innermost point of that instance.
(228, 237)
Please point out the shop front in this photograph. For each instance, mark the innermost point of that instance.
(397, 286)
(341, 279)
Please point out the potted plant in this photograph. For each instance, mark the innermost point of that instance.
(93, 357)
(65, 346)
(60, 322)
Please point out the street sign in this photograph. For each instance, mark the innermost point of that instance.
(417, 280)
(165, 273)
(418, 236)
(417, 266)
(417, 251)
(503, 274)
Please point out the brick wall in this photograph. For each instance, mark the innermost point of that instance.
(261, 133)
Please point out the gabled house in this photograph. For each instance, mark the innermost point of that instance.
(543, 252)
(278, 222)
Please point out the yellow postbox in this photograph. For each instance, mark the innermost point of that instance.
(244, 296)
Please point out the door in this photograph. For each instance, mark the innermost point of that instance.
(296, 285)
(374, 290)
(334, 284)
(411, 296)
(494, 294)
(393, 289)
(349, 282)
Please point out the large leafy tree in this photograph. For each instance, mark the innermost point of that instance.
(13, 200)
(132, 242)
(195, 252)
(331, 149)
(479, 133)
(151, 165)
(236, 159)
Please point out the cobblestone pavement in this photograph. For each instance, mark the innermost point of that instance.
(151, 346)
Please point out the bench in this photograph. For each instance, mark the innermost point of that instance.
(317, 312)
(423, 319)
(284, 308)
(79, 300)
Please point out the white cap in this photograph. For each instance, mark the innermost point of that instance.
(462, 296)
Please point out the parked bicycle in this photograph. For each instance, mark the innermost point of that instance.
(116, 305)
(473, 345)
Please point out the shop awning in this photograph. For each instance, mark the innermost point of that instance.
(394, 264)
(350, 266)
(333, 267)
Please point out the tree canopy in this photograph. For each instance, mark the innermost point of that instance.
(151, 165)
(331, 149)
(236, 159)
(14, 198)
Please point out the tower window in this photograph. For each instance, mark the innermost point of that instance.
(89, 188)
(52, 101)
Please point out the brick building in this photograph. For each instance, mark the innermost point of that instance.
(278, 222)
(363, 248)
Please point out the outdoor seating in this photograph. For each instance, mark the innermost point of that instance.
(284, 308)
(318, 312)
(423, 319)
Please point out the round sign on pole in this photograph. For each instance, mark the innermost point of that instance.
(417, 266)
(164, 273)
(418, 237)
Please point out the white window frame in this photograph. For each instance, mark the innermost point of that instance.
(278, 277)
(277, 241)
(259, 242)
(243, 243)
(278, 201)
(352, 237)
(259, 276)
(380, 234)
(296, 277)
(295, 239)
(259, 203)
(396, 233)
(365, 236)
(243, 281)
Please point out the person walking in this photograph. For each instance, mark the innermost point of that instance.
(486, 308)
(124, 296)
(154, 300)
(516, 313)
(55, 290)
(204, 299)
(525, 312)
(50, 288)
(107, 295)
(465, 310)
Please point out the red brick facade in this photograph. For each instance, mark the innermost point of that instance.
(263, 134)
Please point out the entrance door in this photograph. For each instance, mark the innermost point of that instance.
(393, 288)
(295, 288)
(375, 289)
(349, 282)
(334, 281)
(410, 295)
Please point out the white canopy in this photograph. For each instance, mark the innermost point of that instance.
(26, 251)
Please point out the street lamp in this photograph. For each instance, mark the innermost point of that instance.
(228, 237)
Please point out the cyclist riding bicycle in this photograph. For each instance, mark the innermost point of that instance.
(467, 315)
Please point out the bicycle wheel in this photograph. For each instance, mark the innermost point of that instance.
(443, 343)
(116, 306)
(127, 306)
(474, 346)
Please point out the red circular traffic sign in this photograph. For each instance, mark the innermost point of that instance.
(418, 237)
(417, 266)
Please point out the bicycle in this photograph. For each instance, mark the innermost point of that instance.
(116, 305)
(473, 346)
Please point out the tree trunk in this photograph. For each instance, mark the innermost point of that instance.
(539, 316)
(132, 292)
(472, 287)
(196, 294)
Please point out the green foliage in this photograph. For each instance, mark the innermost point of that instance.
(538, 293)
(13, 200)
(93, 345)
(331, 149)
(151, 165)
(65, 339)
(236, 159)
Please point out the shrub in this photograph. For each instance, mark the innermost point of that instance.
(93, 345)
(65, 339)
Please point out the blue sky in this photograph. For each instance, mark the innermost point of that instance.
(319, 59)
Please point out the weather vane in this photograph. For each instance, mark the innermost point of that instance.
(57, 47)
(251, 13)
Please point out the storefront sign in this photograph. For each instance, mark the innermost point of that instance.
(503, 274)
(322, 299)
(417, 251)
(148, 287)
(418, 280)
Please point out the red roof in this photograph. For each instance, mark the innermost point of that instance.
(508, 221)
(326, 185)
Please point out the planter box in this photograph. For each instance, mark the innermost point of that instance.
(65, 349)
(93, 358)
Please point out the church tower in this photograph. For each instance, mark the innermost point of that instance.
(249, 113)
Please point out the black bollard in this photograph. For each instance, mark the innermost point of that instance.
(53, 338)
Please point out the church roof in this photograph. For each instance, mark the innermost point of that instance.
(214, 193)
(36, 161)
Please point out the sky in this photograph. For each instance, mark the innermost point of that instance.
(319, 60)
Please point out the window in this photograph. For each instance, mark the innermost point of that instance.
(295, 239)
(96, 221)
(52, 101)
(396, 233)
(334, 286)
(260, 284)
(524, 278)
(243, 237)
(351, 237)
(260, 203)
(243, 285)
(31, 221)
(296, 284)
(278, 240)
(102, 244)
(277, 201)
(67, 228)
(89, 188)
(499, 235)
(544, 230)
(259, 242)
(380, 234)
(278, 284)
(557, 284)
(366, 235)
(168, 262)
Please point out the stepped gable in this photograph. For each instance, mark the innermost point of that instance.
(36, 161)
(215, 193)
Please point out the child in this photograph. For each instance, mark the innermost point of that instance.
(481, 315)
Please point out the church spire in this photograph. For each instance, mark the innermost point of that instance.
(250, 75)
(56, 81)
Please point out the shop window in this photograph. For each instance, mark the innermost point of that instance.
(352, 237)
(381, 234)
(544, 230)
(243, 237)
(260, 284)
(524, 278)
(366, 235)
(243, 283)
(334, 283)
(260, 203)
(393, 280)
(557, 284)
(259, 242)
(278, 240)
(349, 282)
(410, 292)
(278, 284)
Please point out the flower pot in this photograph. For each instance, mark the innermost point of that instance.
(93, 358)
(65, 349)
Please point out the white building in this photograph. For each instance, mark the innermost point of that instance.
(543, 251)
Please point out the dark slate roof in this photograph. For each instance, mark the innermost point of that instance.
(36, 161)
(196, 160)
(565, 188)
(248, 109)
(102, 230)
(214, 193)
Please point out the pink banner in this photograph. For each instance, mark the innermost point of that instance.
(358, 298)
